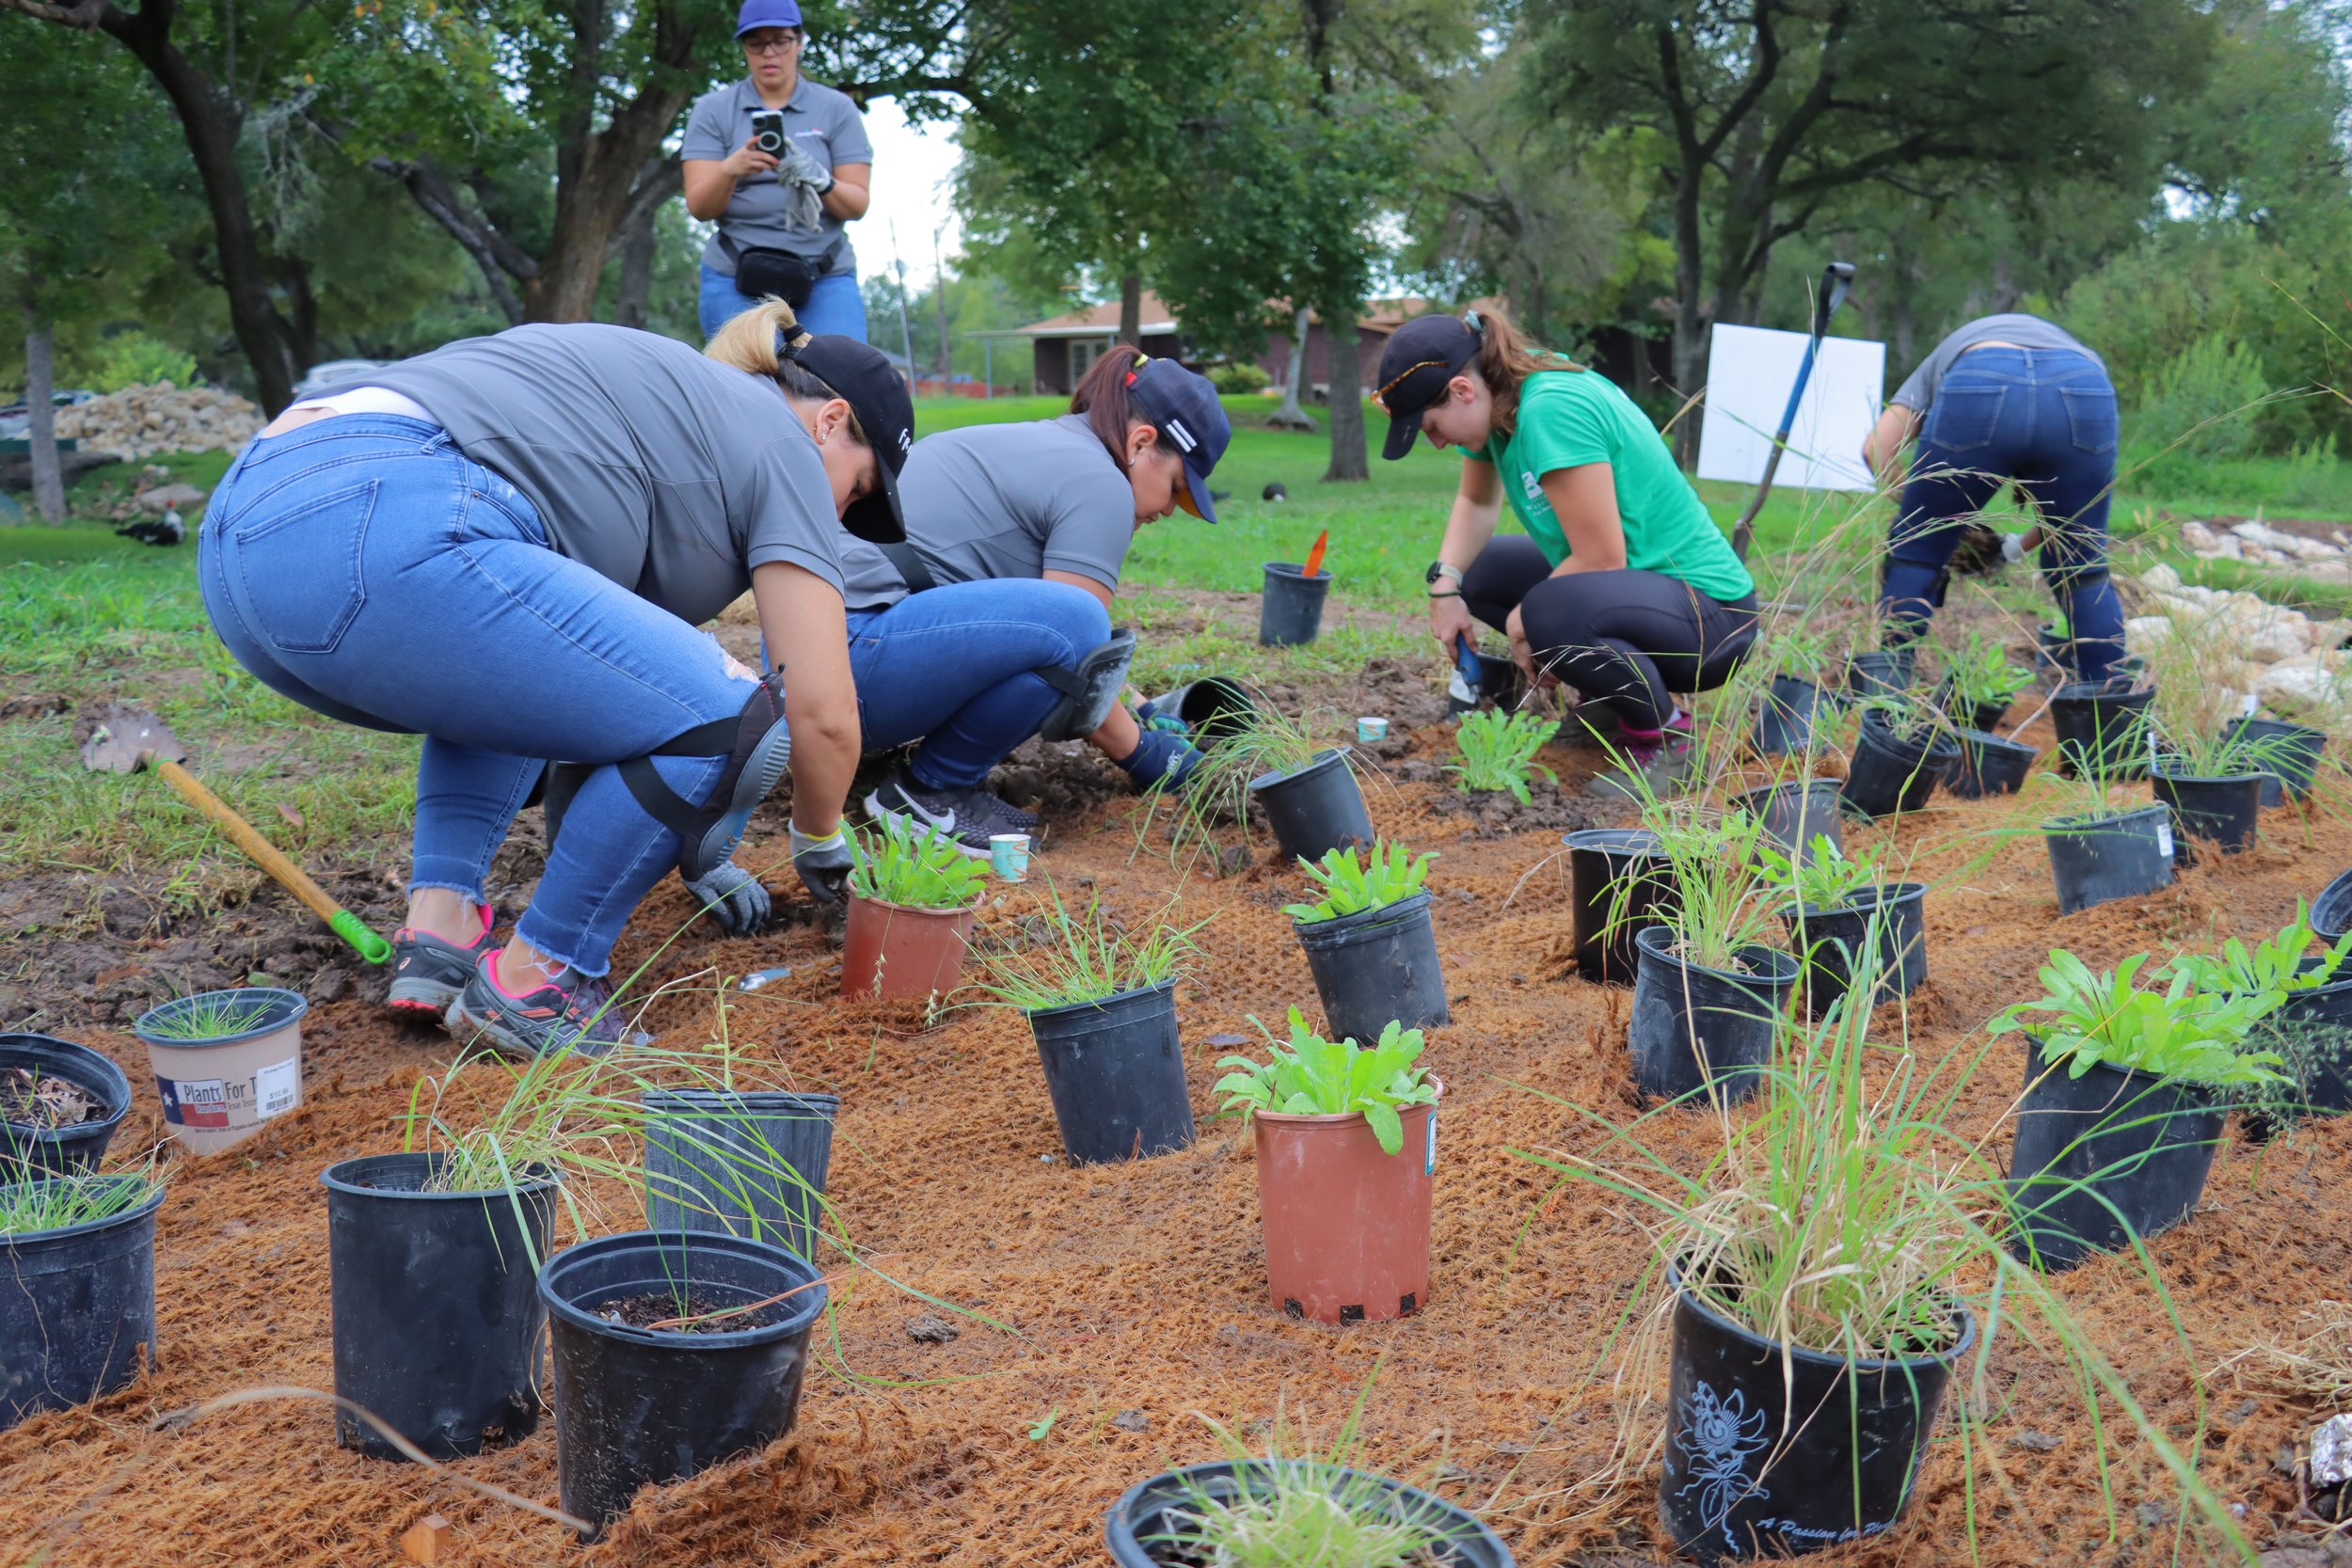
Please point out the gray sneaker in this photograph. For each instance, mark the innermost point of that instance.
(575, 1013)
(965, 817)
(428, 972)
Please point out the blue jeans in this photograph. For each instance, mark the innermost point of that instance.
(835, 306)
(956, 667)
(366, 568)
(2044, 419)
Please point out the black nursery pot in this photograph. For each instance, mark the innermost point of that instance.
(77, 1304)
(2097, 860)
(1116, 1071)
(1374, 966)
(2223, 810)
(61, 1151)
(1142, 1526)
(1988, 765)
(1796, 812)
(712, 1162)
(1773, 1452)
(1889, 774)
(1830, 938)
(2331, 911)
(1968, 715)
(1694, 1026)
(1884, 673)
(1315, 809)
(2314, 1028)
(635, 1406)
(1600, 859)
(2055, 653)
(1785, 723)
(435, 1305)
(2289, 755)
(2102, 727)
(2141, 1143)
(1290, 612)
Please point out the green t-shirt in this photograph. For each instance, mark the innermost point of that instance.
(1570, 418)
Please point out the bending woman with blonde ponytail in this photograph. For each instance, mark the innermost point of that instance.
(1624, 588)
(505, 546)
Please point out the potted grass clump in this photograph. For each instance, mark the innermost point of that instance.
(225, 1061)
(1369, 942)
(2311, 1027)
(2290, 754)
(2102, 726)
(1798, 816)
(1267, 758)
(1837, 906)
(1873, 670)
(1101, 1002)
(2210, 774)
(1902, 748)
(1616, 885)
(2104, 847)
(77, 1299)
(1347, 1151)
(2126, 1090)
(912, 899)
(1785, 717)
(1979, 683)
(1709, 993)
(59, 1105)
(1498, 752)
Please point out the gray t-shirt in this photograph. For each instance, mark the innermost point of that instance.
(2023, 331)
(669, 473)
(1008, 500)
(821, 121)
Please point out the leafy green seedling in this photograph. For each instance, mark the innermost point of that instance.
(1825, 879)
(1312, 1076)
(1498, 751)
(1980, 674)
(915, 871)
(2181, 1033)
(1037, 1433)
(2274, 965)
(1348, 887)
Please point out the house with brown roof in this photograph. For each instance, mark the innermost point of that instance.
(1061, 347)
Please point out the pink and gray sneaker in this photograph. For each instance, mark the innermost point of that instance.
(1656, 762)
(572, 1013)
(428, 972)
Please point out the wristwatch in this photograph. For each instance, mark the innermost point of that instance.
(1440, 569)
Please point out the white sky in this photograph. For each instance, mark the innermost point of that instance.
(912, 170)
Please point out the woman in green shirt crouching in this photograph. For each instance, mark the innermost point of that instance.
(1624, 587)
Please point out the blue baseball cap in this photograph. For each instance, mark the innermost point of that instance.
(1183, 407)
(756, 14)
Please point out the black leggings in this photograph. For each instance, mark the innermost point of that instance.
(1625, 637)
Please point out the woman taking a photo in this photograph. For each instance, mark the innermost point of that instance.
(505, 546)
(1624, 587)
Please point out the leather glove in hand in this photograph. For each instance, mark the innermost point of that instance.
(824, 866)
(734, 898)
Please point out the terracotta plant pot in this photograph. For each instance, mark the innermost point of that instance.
(894, 951)
(1346, 1223)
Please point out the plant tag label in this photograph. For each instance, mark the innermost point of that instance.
(2247, 707)
(1429, 1155)
(194, 1102)
(2164, 839)
(277, 1088)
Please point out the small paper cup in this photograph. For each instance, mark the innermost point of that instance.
(1008, 853)
(1370, 728)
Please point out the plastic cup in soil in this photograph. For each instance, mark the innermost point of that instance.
(218, 1091)
(1702, 1033)
(1315, 809)
(1784, 723)
(43, 1145)
(435, 1305)
(1988, 765)
(1605, 867)
(1346, 1221)
(1375, 967)
(1371, 727)
(1892, 916)
(2288, 753)
(1009, 856)
(2331, 911)
(1775, 1451)
(1888, 775)
(2102, 727)
(2222, 811)
(2105, 1157)
(2097, 860)
(635, 1406)
(1147, 1529)
(1886, 672)
(1115, 1071)
(892, 951)
(1794, 814)
(748, 1163)
(77, 1309)
(1290, 612)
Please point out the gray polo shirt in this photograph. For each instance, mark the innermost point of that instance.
(820, 119)
(669, 473)
(2023, 331)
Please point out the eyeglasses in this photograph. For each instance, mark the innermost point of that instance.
(774, 44)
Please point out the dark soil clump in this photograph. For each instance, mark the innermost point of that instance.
(701, 1314)
(1494, 814)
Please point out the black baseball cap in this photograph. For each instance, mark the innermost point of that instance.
(864, 380)
(1183, 407)
(1422, 357)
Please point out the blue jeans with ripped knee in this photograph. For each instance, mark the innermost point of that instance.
(366, 568)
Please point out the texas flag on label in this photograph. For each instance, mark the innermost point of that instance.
(195, 1101)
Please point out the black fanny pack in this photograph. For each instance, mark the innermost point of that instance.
(761, 271)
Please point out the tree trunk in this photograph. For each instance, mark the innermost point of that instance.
(1290, 416)
(1690, 348)
(1349, 460)
(637, 245)
(1130, 310)
(40, 382)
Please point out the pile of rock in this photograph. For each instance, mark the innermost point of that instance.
(2329, 560)
(139, 422)
(2287, 661)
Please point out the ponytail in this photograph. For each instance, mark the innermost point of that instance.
(764, 340)
(1109, 408)
(1505, 360)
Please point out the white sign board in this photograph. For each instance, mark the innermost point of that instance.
(1750, 371)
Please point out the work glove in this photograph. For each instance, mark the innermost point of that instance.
(824, 866)
(1982, 549)
(1161, 761)
(805, 181)
(734, 898)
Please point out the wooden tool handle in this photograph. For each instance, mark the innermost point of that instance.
(264, 854)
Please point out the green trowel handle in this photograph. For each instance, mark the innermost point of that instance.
(366, 943)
